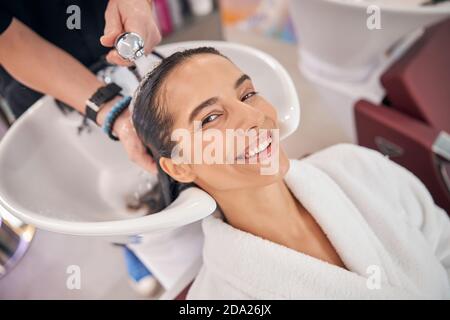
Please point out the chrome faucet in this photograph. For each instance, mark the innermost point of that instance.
(130, 46)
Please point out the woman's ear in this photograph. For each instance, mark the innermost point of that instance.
(180, 172)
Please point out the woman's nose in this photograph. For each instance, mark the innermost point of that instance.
(248, 116)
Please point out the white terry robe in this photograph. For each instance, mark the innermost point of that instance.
(379, 217)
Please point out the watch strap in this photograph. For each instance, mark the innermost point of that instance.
(99, 98)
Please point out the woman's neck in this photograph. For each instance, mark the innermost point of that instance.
(273, 213)
(270, 212)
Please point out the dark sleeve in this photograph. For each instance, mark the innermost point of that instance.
(5, 19)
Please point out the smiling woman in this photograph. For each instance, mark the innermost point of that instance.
(334, 225)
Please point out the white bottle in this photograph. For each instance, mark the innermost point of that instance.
(201, 7)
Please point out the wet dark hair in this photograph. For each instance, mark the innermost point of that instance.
(152, 121)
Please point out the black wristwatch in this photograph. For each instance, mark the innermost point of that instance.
(99, 98)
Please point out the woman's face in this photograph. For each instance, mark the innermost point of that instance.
(208, 95)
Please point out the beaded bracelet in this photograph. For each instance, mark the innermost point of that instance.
(113, 114)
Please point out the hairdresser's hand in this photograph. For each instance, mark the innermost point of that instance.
(124, 130)
(129, 16)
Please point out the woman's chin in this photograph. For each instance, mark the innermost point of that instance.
(266, 171)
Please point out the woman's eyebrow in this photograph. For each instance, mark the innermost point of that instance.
(201, 106)
(213, 100)
(241, 80)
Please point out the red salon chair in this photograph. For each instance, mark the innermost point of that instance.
(412, 125)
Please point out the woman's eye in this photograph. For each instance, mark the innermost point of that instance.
(209, 118)
(248, 95)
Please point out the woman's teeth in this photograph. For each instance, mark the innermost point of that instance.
(262, 146)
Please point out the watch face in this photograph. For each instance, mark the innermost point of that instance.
(130, 46)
